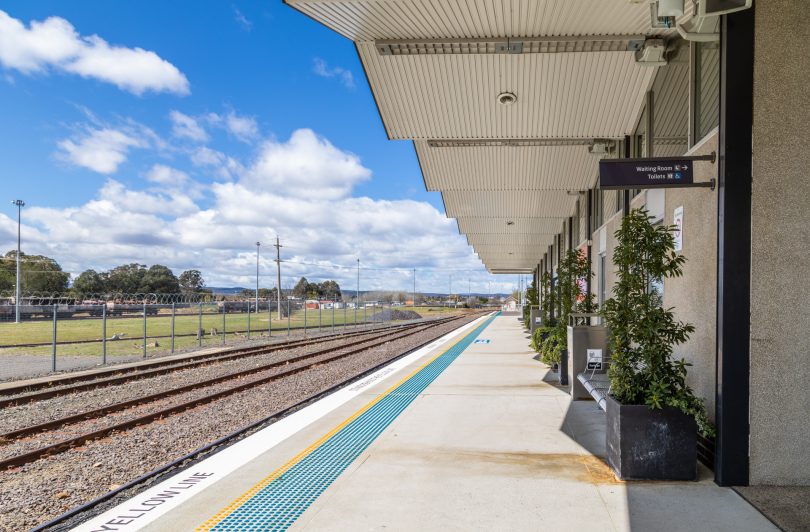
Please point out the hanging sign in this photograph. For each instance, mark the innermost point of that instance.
(643, 173)
(652, 172)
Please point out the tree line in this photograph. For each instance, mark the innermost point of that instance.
(41, 274)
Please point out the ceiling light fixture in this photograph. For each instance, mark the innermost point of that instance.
(507, 98)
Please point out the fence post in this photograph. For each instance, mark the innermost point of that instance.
(288, 317)
(345, 324)
(319, 316)
(248, 327)
(53, 340)
(199, 327)
(269, 319)
(333, 316)
(104, 334)
(174, 310)
(364, 315)
(223, 322)
(144, 329)
(305, 318)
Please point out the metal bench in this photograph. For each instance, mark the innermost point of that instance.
(595, 380)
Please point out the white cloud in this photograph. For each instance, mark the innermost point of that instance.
(305, 166)
(167, 202)
(187, 127)
(166, 175)
(242, 20)
(242, 127)
(101, 150)
(299, 189)
(54, 44)
(322, 69)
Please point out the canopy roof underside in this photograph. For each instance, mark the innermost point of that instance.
(508, 172)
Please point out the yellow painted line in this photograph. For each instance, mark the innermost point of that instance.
(242, 499)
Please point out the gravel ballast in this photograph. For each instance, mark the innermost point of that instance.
(40, 491)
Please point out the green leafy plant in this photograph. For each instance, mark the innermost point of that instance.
(531, 299)
(642, 333)
(546, 300)
(566, 297)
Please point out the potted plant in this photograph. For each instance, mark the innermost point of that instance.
(652, 415)
(568, 298)
(531, 300)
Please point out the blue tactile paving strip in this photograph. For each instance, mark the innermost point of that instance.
(279, 499)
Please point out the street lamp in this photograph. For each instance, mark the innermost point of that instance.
(20, 204)
(258, 245)
(357, 293)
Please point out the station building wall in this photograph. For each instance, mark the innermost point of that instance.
(780, 264)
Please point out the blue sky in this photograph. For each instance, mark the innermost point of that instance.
(182, 132)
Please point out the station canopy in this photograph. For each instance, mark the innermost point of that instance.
(503, 99)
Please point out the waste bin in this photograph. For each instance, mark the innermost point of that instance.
(582, 336)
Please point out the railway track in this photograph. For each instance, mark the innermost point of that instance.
(289, 366)
(60, 385)
(187, 459)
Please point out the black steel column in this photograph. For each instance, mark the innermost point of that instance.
(626, 198)
(734, 247)
(570, 233)
(588, 241)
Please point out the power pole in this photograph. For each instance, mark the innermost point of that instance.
(278, 272)
(19, 204)
(258, 244)
(357, 293)
(414, 287)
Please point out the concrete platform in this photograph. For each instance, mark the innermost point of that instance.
(488, 445)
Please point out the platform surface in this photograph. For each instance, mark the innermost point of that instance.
(489, 444)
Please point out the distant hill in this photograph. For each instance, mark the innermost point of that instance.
(229, 291)
(224, 290)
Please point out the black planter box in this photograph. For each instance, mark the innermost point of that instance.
(647, 444)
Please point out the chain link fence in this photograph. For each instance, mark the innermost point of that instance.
(63, 333)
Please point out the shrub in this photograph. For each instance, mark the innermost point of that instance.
(642, 333)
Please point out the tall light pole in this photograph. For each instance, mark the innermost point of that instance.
(258, 245)
(414, 287)
(357, 293)
(278, 272)
(20, 204)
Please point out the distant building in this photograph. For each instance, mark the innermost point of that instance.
(509, 304)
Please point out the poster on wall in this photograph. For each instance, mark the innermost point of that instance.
(677, 221)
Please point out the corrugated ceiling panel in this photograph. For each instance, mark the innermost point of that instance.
(578, 95)
(497, 225)
(365, 20)
(507, 168)
(495, 253)
(520, 240)
(522, 204)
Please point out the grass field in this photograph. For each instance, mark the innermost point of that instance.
(159, 329)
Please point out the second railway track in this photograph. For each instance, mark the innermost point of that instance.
(268, 373)
(61, 385)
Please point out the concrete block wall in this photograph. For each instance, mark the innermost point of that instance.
(780, 262)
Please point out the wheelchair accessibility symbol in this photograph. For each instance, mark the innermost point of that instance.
(482, 341)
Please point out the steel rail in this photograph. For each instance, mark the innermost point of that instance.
(159, 336)
(61, 522)
(119, 375)
(117, 407)
(68, 443)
